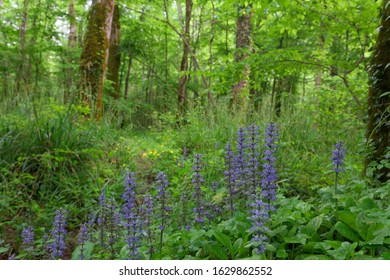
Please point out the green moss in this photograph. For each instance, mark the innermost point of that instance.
(93, 57)
(378, 126)
(114, 55)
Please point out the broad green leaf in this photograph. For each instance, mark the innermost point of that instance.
(270, 248)
(338, 254)
(279, 230)
(292, 232)
(309, 247)
(377, 233)
(361, 226)
(345, 251)
(196, 234)
(333, 243)
(368, 203)
(237, 245)
(225, 240)
(349, 202)
(299, 238)
(281, 254)
(88, 248)
(346, 231)
(312, 226)
(323, 246)
(201, 254)
(386, 255)
(218, 251)
(315, 223)
(349, 219)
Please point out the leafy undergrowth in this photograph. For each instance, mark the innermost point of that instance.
(69, 191)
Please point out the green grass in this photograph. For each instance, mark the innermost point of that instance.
(52, 157)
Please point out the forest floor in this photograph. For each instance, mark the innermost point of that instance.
(58, 160)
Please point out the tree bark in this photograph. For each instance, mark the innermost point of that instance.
(23, 62)
(128, 77)
(71, 46)
(318, 78)
(182, 96)
(5, 71)
(378, 126)
(180, 14)
(243, 49)
(114, 58)
(35, 54)
(95, 55)
(278, 96)
(209, 93)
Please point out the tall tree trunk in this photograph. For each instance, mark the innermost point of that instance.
(71, 46)
(36, 35)
(318, 78)
(128, 77)
(95, 55)
(378, 126)
(209, 93)
(243, 49)
(166, 72)
(149, 90)
(166, 64)
(5, 69)
(23, 62)
(114, 57)
(72, 25)
(278, 96)
(180, 14)
(227, 29)
(285, 84)
(184, 61)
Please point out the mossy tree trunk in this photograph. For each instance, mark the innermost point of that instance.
(114, 57)
(94, 56)
(378, 126)
(242, 52)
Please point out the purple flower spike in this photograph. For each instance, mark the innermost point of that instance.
(161, 197)
(83, 237)
(28, 236)
(131, 219)
(83, 234)
(253, 165)
(338, 157)
(261, 207)
(230, 176)
(197, 181)
(269, 172)
(57, 247)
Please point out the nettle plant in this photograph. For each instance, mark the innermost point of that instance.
(241, 215)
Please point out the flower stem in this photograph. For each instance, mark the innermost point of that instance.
(335, 194)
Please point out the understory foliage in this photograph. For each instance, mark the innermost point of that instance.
(227, 130)
(224, 200)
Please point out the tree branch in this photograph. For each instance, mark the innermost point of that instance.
(343, 77)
